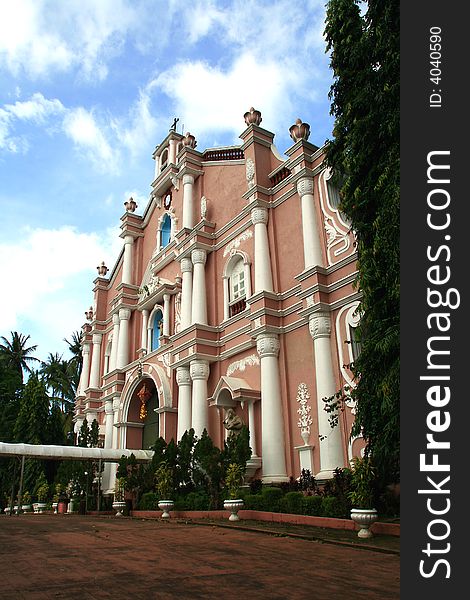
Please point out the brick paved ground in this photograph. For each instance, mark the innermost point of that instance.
(68, 557)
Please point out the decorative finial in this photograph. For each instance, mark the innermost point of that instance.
(299, 131)
(102, 269)
(252, 117)
(173, 127)
(189, 140)
(89, 314)
(130, 205)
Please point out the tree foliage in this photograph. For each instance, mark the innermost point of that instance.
(17, 354)
(364, 155)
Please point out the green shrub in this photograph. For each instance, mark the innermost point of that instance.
(272, 498)
(254, 502)
(331, 507)
(312, 505)
(149, 501)
(292, 503)
(198, 501)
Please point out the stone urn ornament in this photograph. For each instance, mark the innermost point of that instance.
(252, 117)
(164, 487)
(233, 480)
(362, 495)
(166, 506)
(299, 131)
(189, 140)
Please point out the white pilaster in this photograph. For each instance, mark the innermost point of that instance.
(251, 427)
(114, 343)
(186, 292)
(225, 282)
(95, 361)
(108, 443)
(272, 423)
(127, 260)
(85, 376)
(172, 152)
(183, 379)
(310, 231)
(166, 314)
(199, 301)
(145, 324)
(331, 454)
(123, 345)
(188, 208)
(262, 262)
(199, 371)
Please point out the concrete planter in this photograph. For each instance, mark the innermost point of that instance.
(364, 517)
(119, 506)
(165, 506)
(233, 506)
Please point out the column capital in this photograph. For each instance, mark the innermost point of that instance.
(319, 325)
(166, 297)
(188, 179)
(199, 369)
(267, 344)
(116, 404)
(124, 314)
(108, 406)
(116, 319)
(183, 376)
(86, 348)
(305, 186)
(186, 265)
(128, 239)
(198, 256)
(97, 337)
(259, 215)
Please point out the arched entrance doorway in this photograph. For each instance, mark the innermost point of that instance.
(142, 418)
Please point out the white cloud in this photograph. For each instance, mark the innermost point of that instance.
(36, 109)
(224, 96)
(49, 275)
(81, 127)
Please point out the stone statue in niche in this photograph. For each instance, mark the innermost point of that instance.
(232, 422)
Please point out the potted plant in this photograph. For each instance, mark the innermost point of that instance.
(233, 481)
(164, 487)
(42, 493)
(362, 495)
(119, 503)
(26, 502)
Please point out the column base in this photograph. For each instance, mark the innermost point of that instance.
(252, 466)
(274, 478)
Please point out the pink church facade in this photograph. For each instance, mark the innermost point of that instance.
(233, 290)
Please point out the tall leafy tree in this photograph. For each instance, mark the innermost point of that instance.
(75, 349)
(59, 377)
(16, 352)
(364, 154)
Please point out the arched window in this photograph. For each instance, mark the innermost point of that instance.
(355, 342)
(164, 159)
(237, 285)
(334, 199)
(166, 230)
(157, 330)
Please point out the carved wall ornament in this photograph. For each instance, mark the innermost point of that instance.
(319, 325)
(189, 140)
(178, 312)
(175, 182)
(250, 172)
(203, 207)
(89, 314)
(240, 365)
(304, 410)
(252, 117)
(232, 246)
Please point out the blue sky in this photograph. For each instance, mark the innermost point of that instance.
(88, 88)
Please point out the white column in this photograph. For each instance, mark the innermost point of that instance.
(272, 423)
(127, 261)
(188, 208)
(199, 301)
(225, 282)
(251, 427)
(123, 345)
(166, 314)
(172, 153)
(108, 443)
(247, 273)
(114, 343)
(331, 453)
(199, 371)
(262, 262)
(186, 292)
(310, 231)
(95, 361)
(85, 376)
(116, 404)
(145, 324)
(183, 379)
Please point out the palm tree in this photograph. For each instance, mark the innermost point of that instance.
(15, 353)
(75, 348)
(60, 378)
